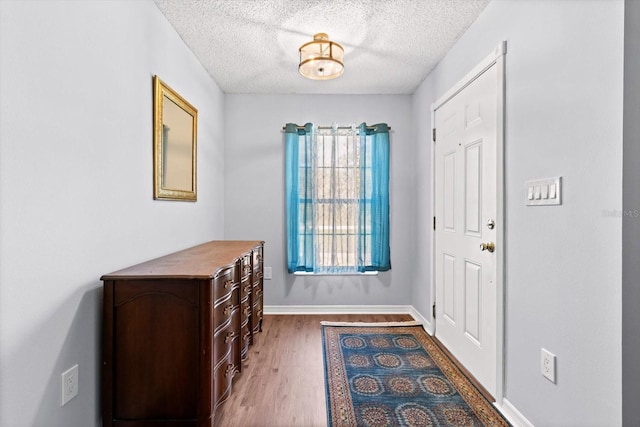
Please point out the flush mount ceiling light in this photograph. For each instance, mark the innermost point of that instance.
(321, 59)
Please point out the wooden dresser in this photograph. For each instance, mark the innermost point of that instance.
(175, 332)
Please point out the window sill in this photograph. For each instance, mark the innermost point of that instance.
(306, 273)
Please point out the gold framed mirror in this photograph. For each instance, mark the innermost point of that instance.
(175, 124)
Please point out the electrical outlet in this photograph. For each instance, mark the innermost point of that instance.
(548, 365)
(267, 273)
(69, 384)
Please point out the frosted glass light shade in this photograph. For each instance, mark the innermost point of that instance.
(321, 59)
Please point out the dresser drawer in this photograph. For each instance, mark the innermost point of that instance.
(257, 291)
(245, 339)
(222, 379)
(245, 266)
(257, 258)
(224, 308)
(245, 310)
(224, 282)
(223, 341)
(256, 315)
(245, 288)
(257, 277)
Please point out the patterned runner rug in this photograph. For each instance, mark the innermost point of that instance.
(393, 374)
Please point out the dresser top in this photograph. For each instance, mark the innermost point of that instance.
(198, 262)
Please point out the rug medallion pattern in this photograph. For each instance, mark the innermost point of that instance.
(397, 376)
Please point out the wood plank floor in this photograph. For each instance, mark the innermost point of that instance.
(282, 380)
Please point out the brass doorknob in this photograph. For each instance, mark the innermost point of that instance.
(488, 246)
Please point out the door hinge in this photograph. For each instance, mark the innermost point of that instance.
(433, 131)
(433, 310)
(434, 222)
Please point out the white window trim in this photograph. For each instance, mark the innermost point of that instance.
(311, 273)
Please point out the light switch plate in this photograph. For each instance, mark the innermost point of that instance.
(546, 192)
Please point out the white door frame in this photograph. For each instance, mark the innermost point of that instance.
(495, 58)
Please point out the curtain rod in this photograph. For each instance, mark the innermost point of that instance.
(339, 127)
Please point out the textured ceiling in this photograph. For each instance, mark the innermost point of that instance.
(251, 46)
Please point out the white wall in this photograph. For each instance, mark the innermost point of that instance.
(631, 220)
(254, 190)
(76, 188)
(564, 90)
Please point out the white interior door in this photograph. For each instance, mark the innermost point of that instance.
(466, 209)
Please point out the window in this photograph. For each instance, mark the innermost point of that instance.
(337, 199)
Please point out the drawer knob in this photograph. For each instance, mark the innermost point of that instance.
(246, 311)
(227, 309)
(228, 338)
(229, 370)
(227, 284)
(245, 336)
(246, 289)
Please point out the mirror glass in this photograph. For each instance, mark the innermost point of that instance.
(176, 146)
(175, 122)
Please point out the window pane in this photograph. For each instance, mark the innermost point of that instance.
(324, 183)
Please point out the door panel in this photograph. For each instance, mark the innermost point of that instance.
(449, 268)
(473, 184)
(449, 191)
(473, 300)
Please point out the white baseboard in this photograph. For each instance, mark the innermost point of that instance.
(351, 309)
(426, 324)
(513, 415)
(338, 309)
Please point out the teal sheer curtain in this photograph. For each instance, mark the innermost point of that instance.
(298, 193)
(337, 198)
(378, 138)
